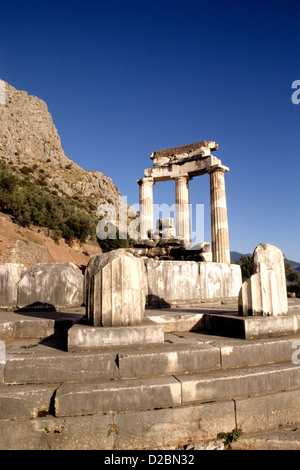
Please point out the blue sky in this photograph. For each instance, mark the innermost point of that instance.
(125, 78)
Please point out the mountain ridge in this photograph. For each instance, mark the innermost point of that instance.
(29, 138)
(236, 256)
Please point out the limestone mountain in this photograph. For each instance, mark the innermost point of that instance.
(29, 142)
(48, 203)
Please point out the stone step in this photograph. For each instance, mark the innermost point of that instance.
(39, 324)
(252, 327)
(286, 438)
(160, 428)
(25, 401)
(179, 390)
(184, 353)
(227, 323)
(37, 365)
(117, 396)
(81, 399)
(239, 383)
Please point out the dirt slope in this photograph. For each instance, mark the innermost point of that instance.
(32, 246)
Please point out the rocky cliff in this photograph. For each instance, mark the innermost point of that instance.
(31, 151)
(28, 137)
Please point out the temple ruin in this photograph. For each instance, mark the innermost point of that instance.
(182, 164)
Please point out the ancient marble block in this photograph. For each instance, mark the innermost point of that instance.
(265, 292)
(115, 289)
(10, 274)
(219, 280)
(58, 284)
(250, 296)
(176, 282)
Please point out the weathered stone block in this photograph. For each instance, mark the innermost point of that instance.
(238, 383)
(58, 284)
(115, 294)
(250, 327)
(219, 280)
(266, 412)
(253, 353)
(82, 337)
(10, 275)
(265, 292)
(57, 368)
(127, 395)
(174, 426)
(169, 360)
(188, 281)
(80, 433)
(269, 263)
(25, 401)
(172, 281)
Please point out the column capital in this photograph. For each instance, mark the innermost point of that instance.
(221, 168)
(184, 176)
(146, 180)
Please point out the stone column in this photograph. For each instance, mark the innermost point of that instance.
(115, 289)
(182, 199)
(219, 222)
(146, 206)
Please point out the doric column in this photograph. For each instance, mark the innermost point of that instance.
(146, 206)
(182, 199)
(219, 222)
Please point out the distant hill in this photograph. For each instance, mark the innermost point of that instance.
(236, 256)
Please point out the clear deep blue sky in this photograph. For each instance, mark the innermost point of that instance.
(125, 78)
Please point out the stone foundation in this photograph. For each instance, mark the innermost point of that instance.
(171, 250)
(87, 337)
(187, 282)
(166, 282)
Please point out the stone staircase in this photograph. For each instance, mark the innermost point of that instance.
(188, 389)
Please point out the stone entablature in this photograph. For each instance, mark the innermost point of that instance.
(192, 160)
(182, 164)
(184, 153)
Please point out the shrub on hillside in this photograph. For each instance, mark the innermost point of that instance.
(30, 203)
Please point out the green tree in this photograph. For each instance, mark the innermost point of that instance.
(109, 244)
(246, 263)
(292, 278)
(30, 203)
